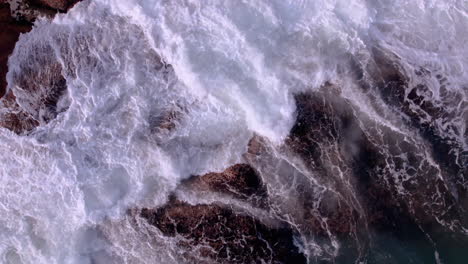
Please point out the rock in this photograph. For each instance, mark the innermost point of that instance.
(388, 175)
(435, 118)
(256, 146)
(38, 88)
(61, 5)
(16, 17)
(223, 234)
(41, 83)
(240, 181)
(318, 137)
(10, 29)
(14, 118)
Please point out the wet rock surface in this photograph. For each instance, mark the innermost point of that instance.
(221, 232)
(356, 188)
(240, 181)
(436, 117)
(39, 88)
(225, 235)
(15, 118)
(10, 29)
(37, 93)
(391, 177)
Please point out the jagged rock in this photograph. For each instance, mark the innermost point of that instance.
(323, 119)
(14, 118)
(41, 83)
(224, 235)
(434, 117)
(10, 29)
(39, 86)
(389, 175)
(240, 181)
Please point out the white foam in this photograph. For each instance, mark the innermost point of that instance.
(235, 67)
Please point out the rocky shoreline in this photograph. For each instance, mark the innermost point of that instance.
(355, 187)
(375, 191)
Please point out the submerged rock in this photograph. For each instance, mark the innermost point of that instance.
(224, 235)
(438, 119)
(373, 167)
(325, 126)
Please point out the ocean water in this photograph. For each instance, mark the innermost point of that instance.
(223, 70)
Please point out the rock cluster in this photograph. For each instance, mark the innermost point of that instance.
(375, 191)
(45, 84)
(224, 234)
(380, 193)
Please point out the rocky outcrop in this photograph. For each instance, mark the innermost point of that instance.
(223, 234)
(240, 181)
(325, 135)
(392, 177)
(30, 10)
(14, 117)
(366, 187)
(41, 83)
(10, 29)
(405, 88)
(39, 86)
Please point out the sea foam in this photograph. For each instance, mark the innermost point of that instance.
(223, 70)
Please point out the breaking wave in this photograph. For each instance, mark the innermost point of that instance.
(132, 97)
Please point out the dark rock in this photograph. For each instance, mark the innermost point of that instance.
(389, 176)
(10, 29)
(323, 122)
(41, 86)
(240, 181)
(432, 117)
(62, 5)
(224, 235)
(15, 119)
(166, 120)
(38, 88)
(40, 83)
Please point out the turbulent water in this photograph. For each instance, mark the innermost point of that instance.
(223, 71)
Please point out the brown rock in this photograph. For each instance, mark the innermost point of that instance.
(240, 181)
(38, 91)
(324, 127)
(15, 22)
(16, 119)
(224, 235)
(41, 87)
